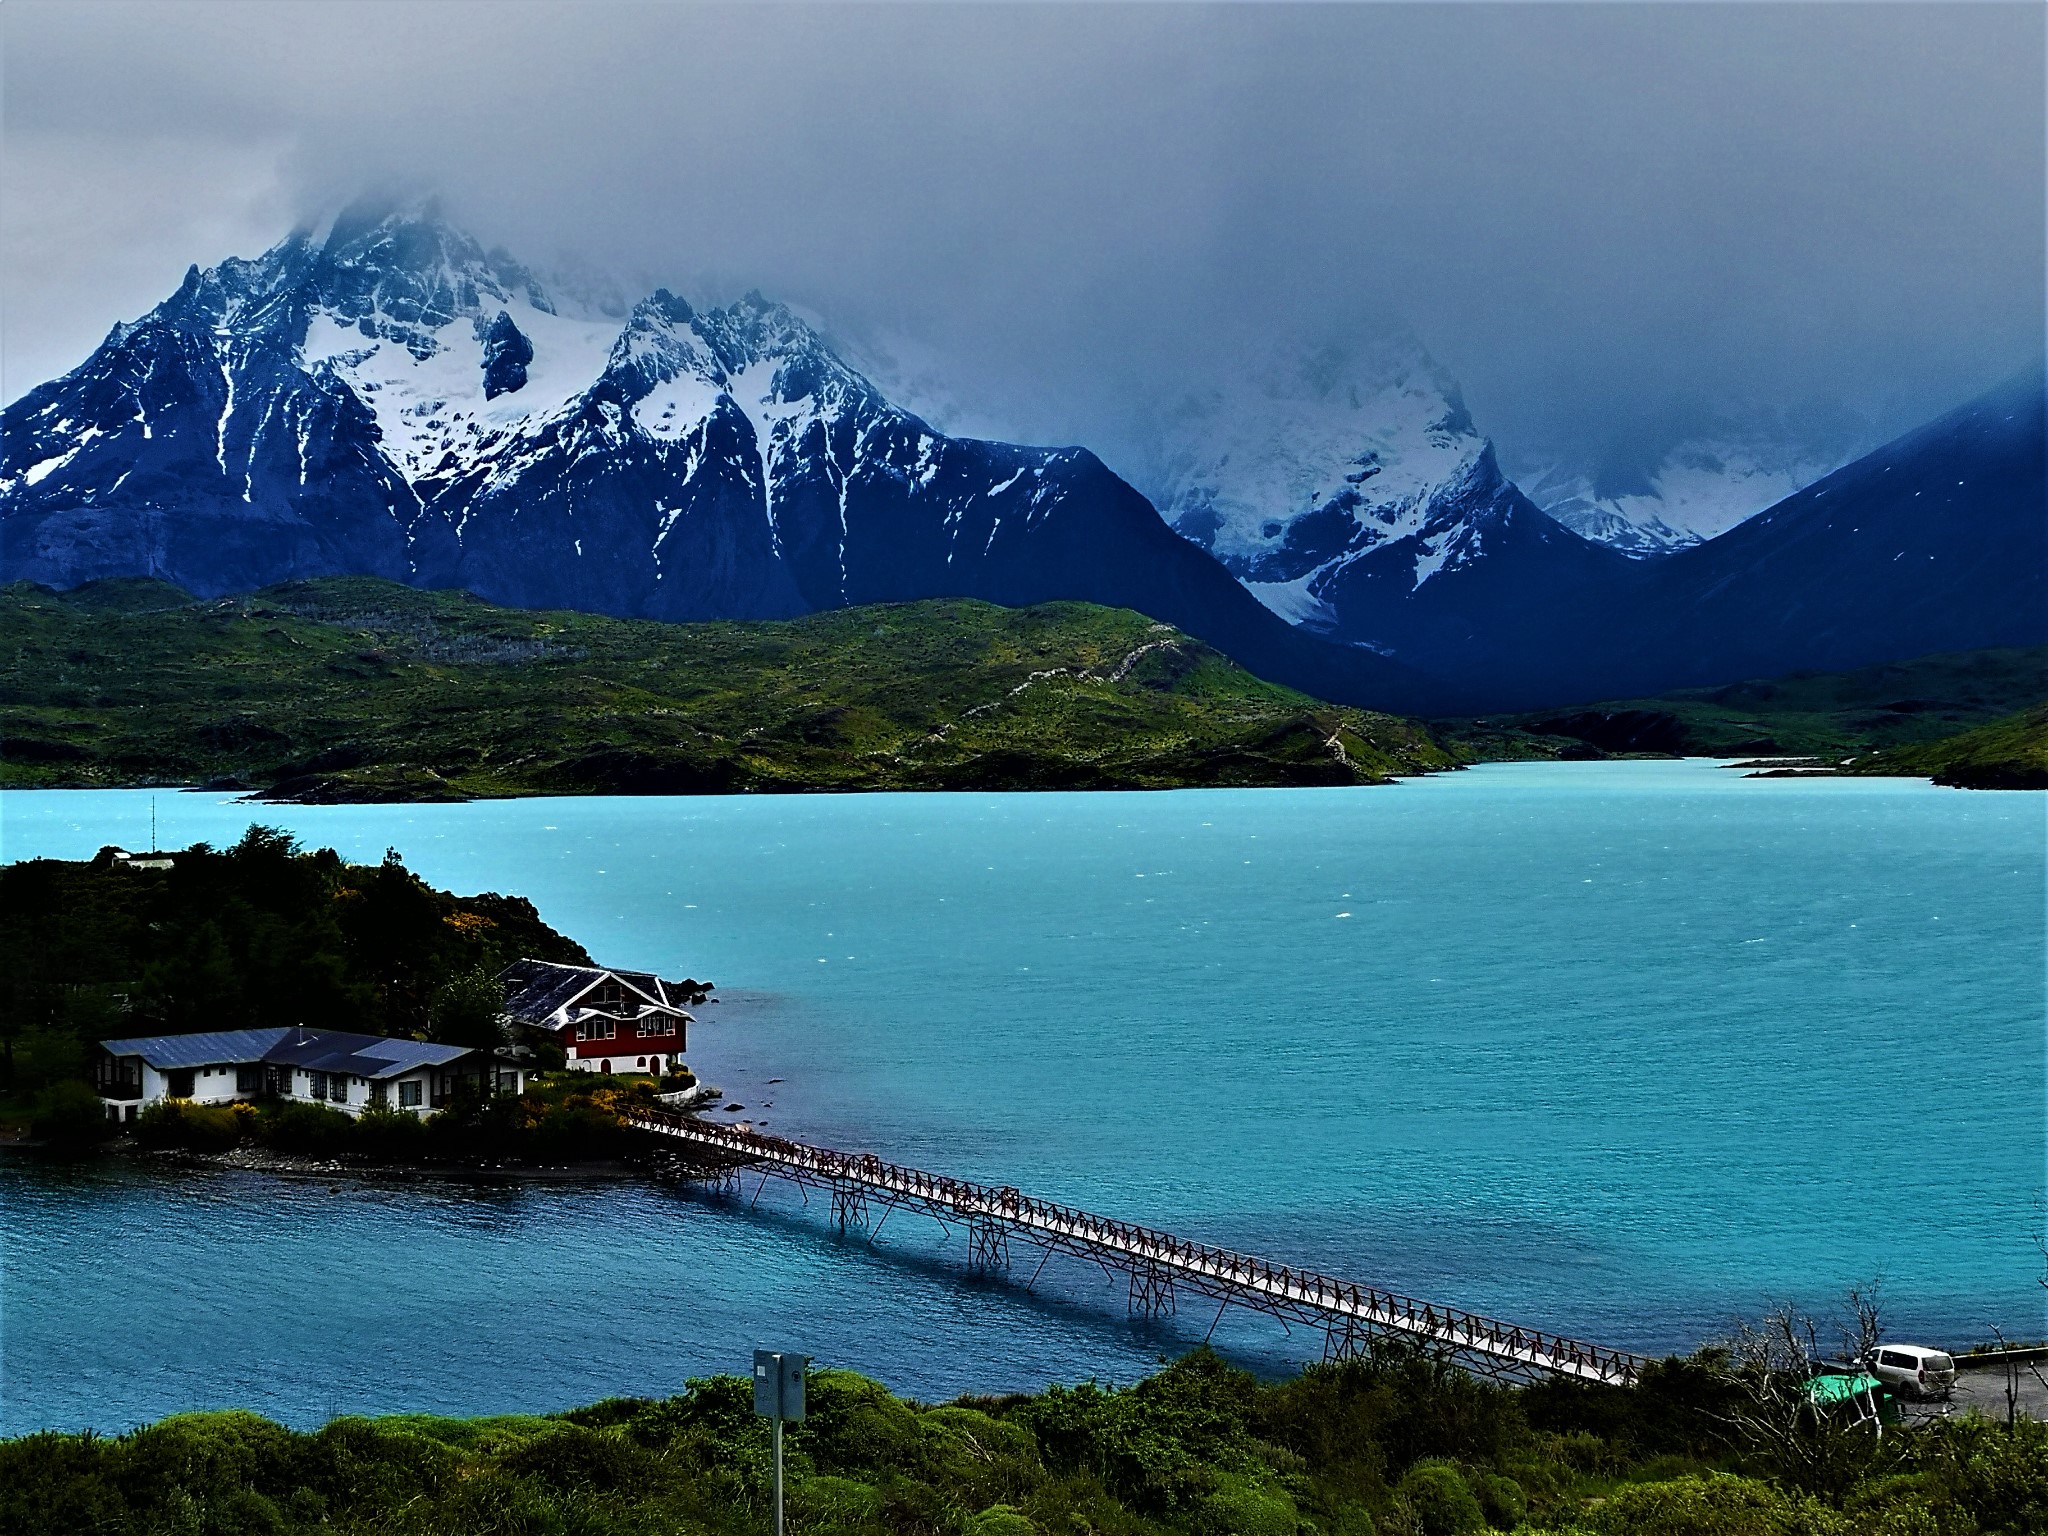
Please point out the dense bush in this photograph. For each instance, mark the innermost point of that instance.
(194, 1127)
(1199, 1448)
(69, 1115)
(1438, 1501)
(388, 1135)
(311, 1130)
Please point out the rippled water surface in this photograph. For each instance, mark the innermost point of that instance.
(1620, 1049)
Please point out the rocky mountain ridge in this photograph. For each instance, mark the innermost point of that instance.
(385, 397)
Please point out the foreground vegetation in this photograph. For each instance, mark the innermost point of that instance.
(1395, 1443)
(1829, 715)
(262, 933)
(358, 689)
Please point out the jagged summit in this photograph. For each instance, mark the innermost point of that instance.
(385, 396)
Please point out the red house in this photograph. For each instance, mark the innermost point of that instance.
(607, 1021)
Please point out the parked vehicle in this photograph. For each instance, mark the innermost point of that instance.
(1914, 1370)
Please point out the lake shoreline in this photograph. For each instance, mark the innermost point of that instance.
(290, 1165)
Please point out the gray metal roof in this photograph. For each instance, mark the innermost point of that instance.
(316, 1050)
(535, 989)
(210, 1048)
(329, 1050)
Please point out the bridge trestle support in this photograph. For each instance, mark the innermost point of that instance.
(1345, 1339)
(849, 1208)
(1151, 1291)
(988, 1246)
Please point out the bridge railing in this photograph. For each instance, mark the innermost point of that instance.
(1282, 1283)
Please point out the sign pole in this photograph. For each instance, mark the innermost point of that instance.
(779, 1396)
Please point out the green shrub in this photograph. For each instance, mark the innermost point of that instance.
(178, 1123)
(1439, 1500)
(573, 1133)
(853, 1426)
(571, 1455)
(2000, 1476)
(826, 1503)
(312, 1129)
(70, 1115)
(1002, 1520)
(1713, 1505)
(1501, 1500)
(1239, 1507)
(390, 1135)
(1157, 1445)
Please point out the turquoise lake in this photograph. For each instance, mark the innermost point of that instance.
(1620, 1049)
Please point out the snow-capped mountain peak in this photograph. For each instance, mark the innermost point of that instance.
(1313, 458)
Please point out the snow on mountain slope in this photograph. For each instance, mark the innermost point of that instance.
(1306, 456)
(1350, 491)
(1702, 488)
(433, 407)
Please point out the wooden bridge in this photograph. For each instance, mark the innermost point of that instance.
(1160, 1266)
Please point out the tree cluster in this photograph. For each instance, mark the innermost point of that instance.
(263, 933)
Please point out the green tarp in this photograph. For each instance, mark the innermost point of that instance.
(1840, 1389)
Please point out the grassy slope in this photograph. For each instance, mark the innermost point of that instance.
(1817, 714)
(356, 688)
(2007, 754)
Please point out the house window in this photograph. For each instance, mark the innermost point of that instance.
(657, 1026)
(319, 1081)
(410, 1095)
(380, 1095)
(337, 1088)
(248, 1079)
(598, 1029)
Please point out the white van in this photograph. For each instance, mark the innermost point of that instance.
(1914, 1370)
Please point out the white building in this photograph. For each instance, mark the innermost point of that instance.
(344, 1071)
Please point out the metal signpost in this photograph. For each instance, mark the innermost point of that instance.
(779, 1396)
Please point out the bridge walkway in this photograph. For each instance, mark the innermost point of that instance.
(1159, 1265)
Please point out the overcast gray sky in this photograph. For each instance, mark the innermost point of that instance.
(1598, 217)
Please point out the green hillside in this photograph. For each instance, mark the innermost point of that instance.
(1829, 715)
(2007, 754)
(357, 689)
